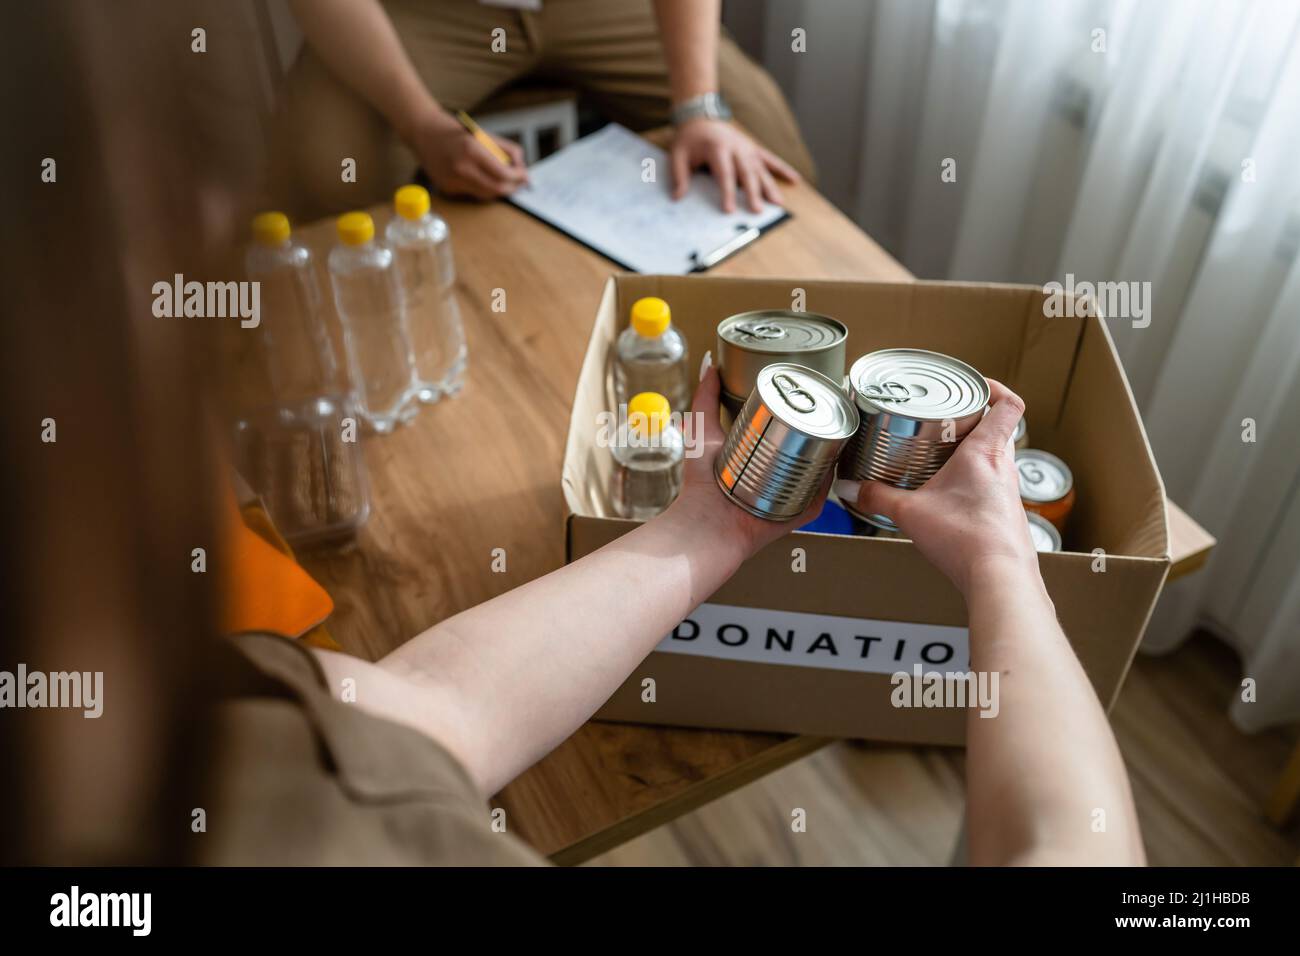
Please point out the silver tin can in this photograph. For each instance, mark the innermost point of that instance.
(751, 340)
(1020, 437)
(784, 441)
(887, 534)
(916, 407)
(1043, 533)
(732, 404)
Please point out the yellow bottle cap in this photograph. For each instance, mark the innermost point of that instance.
(651, 317)
(648, 413)
(270, 228)
(411, 202)
(356, 228)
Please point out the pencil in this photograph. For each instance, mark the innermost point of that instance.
(477, 132)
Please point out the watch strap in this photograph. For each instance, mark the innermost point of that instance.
(705, 106)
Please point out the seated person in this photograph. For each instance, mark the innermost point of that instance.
(381, 84)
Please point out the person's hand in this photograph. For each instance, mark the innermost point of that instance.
(701, 502)
(459, 165)
(732, 157)
(969, 513)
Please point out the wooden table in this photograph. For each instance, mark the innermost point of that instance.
(482, 472)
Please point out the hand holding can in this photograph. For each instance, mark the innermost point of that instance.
(703, 503)
(969, 512)
(916, 407)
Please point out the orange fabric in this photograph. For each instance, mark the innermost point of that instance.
(320, 637)
(264, 589)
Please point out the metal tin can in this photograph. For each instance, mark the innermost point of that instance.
(886, 533)
(784, 441)
(1020, 437)
(1043, 533)
(751, 340)
(1046, 485)
(916, 407)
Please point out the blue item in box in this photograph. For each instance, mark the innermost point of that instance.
(832, 520)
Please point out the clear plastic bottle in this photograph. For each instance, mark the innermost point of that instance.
(422, 242)
(295, 352)
(648, 455)
(291, 433)
(369, 301)
(652, 356)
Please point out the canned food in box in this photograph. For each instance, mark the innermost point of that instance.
(915, 407)
(784, 441)
(1046, 485)
(752, 340)
(1043, 533)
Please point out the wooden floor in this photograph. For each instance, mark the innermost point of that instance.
(1198, 781)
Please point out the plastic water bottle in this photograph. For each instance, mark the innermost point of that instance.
(369, 300)
(296, 356)
(290, 433)
(648, 455)
(652, 356)
(422, 242)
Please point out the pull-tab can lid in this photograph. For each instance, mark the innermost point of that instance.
(1043, 477)
(1043, 533)
(807, 401)
(778, 330)
(917, 384)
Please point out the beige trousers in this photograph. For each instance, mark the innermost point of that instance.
(608, 50)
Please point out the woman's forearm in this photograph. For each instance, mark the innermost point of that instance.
(1045, 779)
(503, 683)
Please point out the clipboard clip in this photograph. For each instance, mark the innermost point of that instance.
(743, 238)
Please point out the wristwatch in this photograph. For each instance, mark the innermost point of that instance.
(706, 106)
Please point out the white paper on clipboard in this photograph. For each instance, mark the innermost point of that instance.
(595, 190)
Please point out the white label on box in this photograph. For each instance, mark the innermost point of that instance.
(763, 636)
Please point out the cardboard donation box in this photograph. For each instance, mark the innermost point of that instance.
(807, 641)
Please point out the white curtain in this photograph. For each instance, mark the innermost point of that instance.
(1135, 140)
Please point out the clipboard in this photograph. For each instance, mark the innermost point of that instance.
(610, 191)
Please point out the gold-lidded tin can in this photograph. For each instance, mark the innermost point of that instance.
(915, 408)
(1046, 485)
(750, 341)
(785, 441)
(1043, 533)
